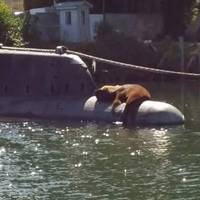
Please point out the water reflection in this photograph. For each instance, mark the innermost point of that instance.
(88, 161)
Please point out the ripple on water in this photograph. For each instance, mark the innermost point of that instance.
(96, 161)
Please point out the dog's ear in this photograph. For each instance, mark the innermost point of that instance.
(97, 91)
(104, 95)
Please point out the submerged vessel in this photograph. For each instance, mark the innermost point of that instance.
(60, 86)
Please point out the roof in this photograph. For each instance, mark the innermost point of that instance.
(68, 4)
(30, 4)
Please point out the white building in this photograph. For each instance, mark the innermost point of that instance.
(73, 20)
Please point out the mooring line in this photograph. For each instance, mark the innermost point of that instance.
(110, 62)
(134, 67)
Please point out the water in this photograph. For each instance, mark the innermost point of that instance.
(87, 160)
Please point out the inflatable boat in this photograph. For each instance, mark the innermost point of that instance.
(60, 86)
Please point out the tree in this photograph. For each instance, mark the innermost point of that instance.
(177, 14)
(10, 27)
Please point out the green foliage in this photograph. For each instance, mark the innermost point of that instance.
(27, 30)
(10, 27)
(195, 8)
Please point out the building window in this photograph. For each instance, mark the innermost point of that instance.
(83, 17)
(68, 18)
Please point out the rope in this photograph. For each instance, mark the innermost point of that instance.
(135, 67)
(111, 62)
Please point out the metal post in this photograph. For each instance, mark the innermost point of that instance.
(104, 10)
(198, 57)
(182, 63)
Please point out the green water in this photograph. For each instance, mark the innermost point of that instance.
(88, 160)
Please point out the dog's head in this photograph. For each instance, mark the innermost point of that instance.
(107, 93)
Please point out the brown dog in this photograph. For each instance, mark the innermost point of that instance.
(118, 94)
(131, 94)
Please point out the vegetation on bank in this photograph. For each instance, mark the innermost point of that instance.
(11, 27)
(177, 14)
(163, 53)
(175, 23)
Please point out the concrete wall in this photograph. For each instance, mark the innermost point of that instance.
(84, 25)
(143, 26)
(37, 74)
(52, 26)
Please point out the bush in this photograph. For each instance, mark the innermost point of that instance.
(10, 27)
(29, 32)
(103, 29)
